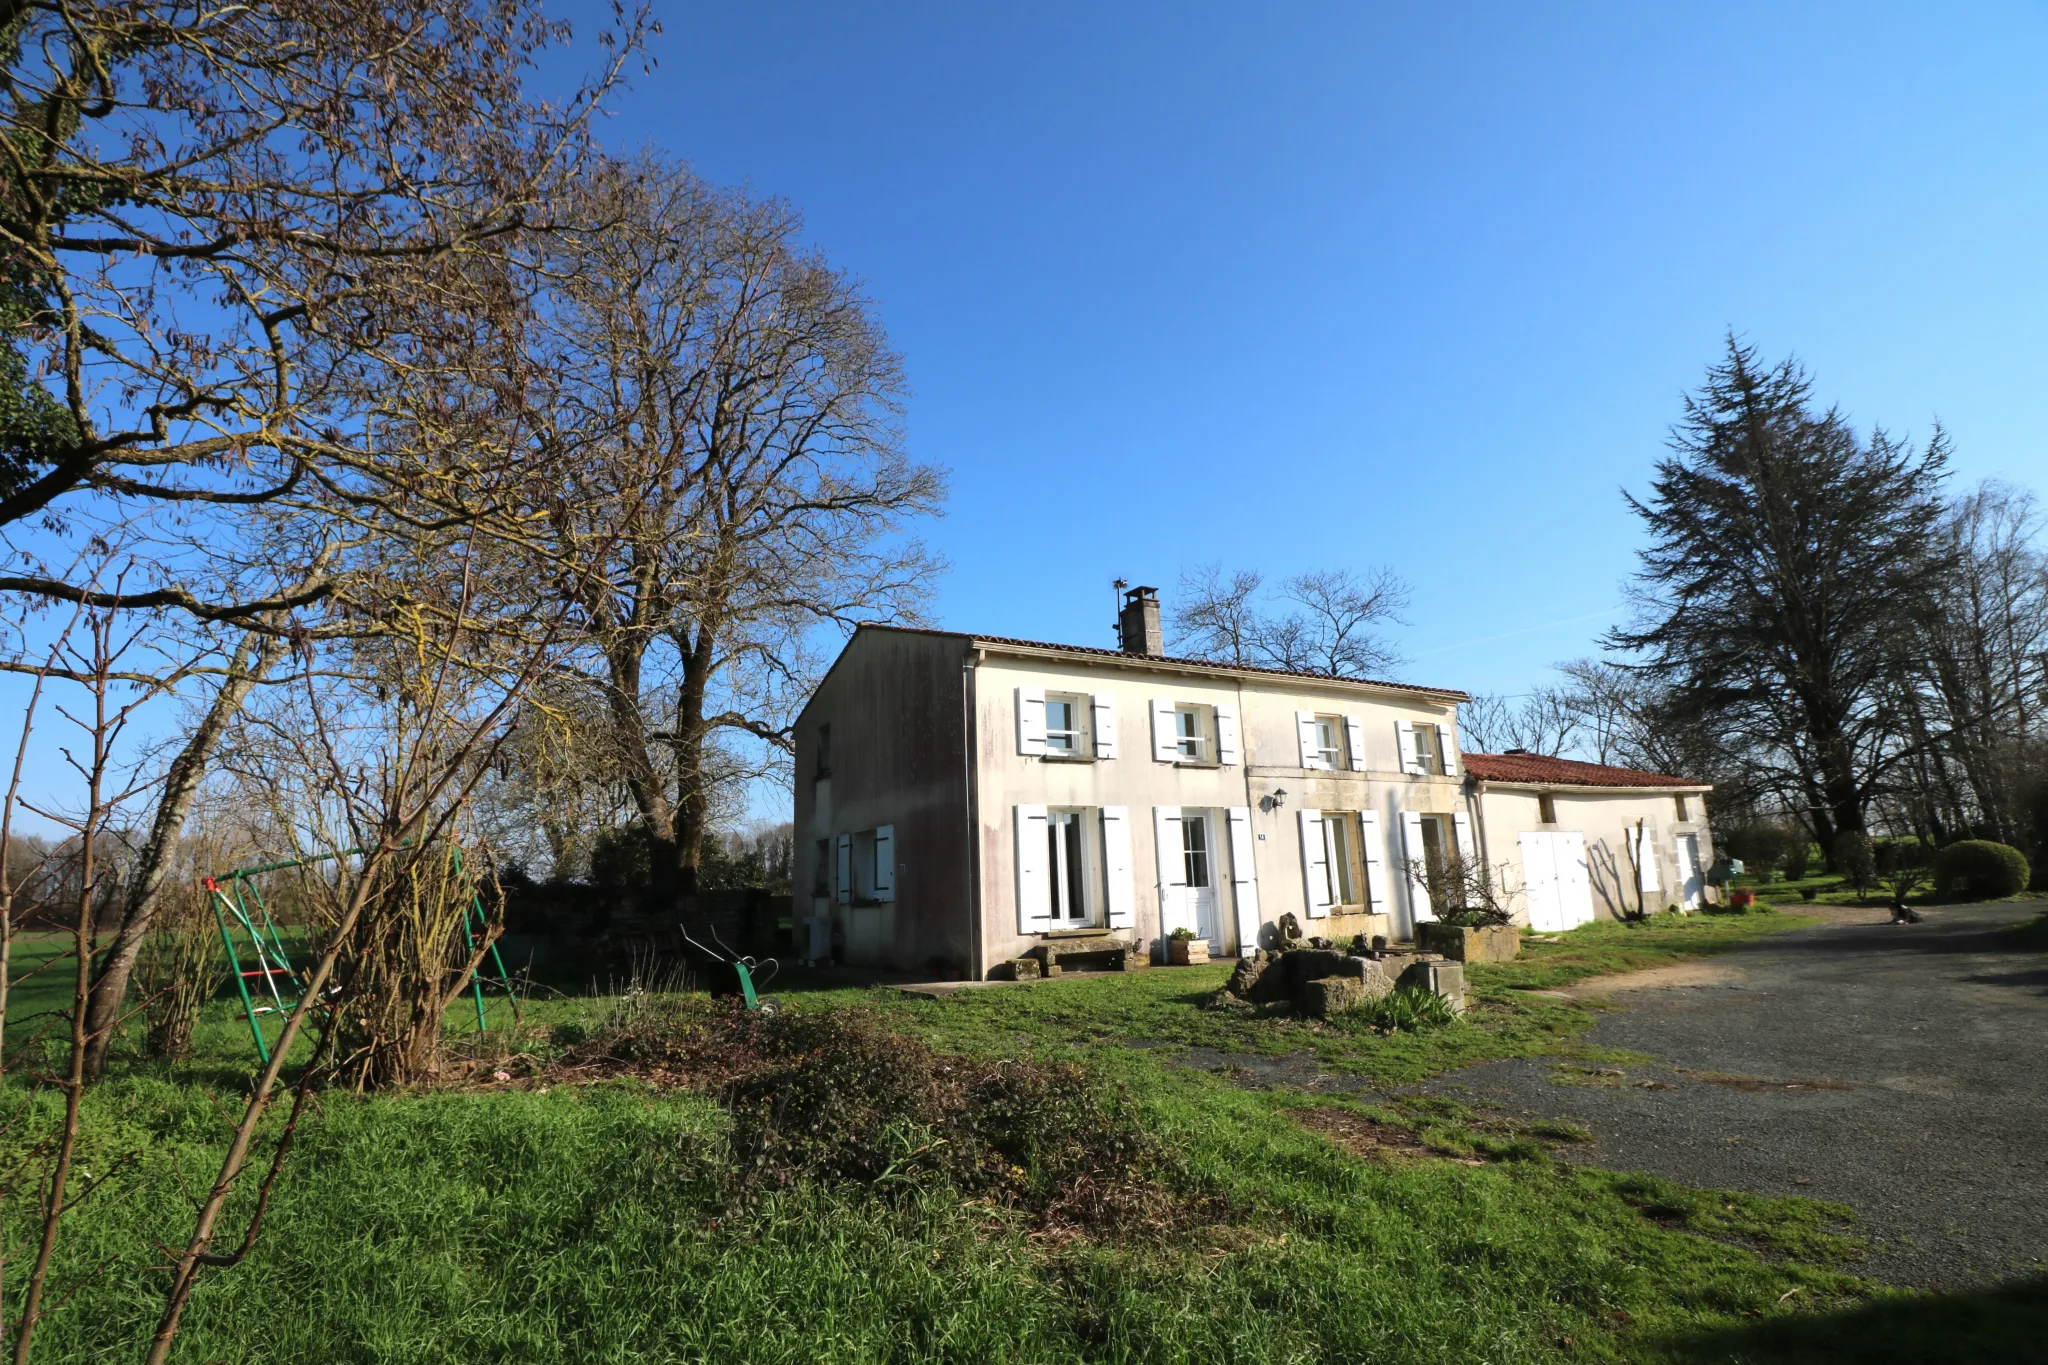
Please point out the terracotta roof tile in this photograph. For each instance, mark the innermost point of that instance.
(1564, 772)
(1446, 692)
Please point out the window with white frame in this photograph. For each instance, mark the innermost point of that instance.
(1073, 865)
(1426, 756)
(1329, 750)
(1191, 733)
(1066, 725)
(1341, 856)
(1194, 837)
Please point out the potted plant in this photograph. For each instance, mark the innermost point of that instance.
(1183, 949)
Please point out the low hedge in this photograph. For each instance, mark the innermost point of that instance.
(1977, 869)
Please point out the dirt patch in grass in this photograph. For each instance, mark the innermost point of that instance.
(1601, 1078)
(1762, 1085)
(1361, 1135)
(1680, 974)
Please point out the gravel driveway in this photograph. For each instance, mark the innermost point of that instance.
(1902, 1070)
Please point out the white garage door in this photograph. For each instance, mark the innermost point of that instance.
(1555, 880)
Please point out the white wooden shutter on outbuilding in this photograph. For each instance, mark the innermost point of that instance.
(1165, 734)
(1226, 732)
(1375, 841)
(1413, 856)
(1646, 859)
(843, 882)
(885, 863)
(1102, 708)
(1034, 878)
(1031, 721)
(1315, 864)
(1244, 880)
(1404, 735)
(1354, 740)
(1305, 732)
(1116, 866)
(1173, 868)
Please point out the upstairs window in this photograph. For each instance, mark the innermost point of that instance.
(1546, 809)
(1329, 750)
(824, 768)
(1684, 812)
(1194, 732)
(1066, 725)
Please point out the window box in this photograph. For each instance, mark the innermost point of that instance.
(1187, 952)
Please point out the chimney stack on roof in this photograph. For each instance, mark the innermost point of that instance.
(1137, 624)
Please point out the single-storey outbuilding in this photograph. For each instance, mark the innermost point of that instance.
(1581, 840)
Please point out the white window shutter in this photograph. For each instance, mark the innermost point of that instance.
(1226, 732)
(1375, 841)
(1305, 733)
(1116, 866)
(1315, 864)
(1165, 739)
(1034, 879)
(1447, 750)
(1102, 708)
(1354, 740)
(1031, 721)
(885, 863)
(1467, 851)
(843, 883)
(1173, 868)
(1244, 880)
(1404, 735)
(1412, 857)
(1646, 859)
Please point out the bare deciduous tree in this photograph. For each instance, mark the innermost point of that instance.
(1326, 621)
(736, 389)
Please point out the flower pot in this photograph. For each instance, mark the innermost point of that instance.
(1187, 952)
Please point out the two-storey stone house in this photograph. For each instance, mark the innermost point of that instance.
(962, 799)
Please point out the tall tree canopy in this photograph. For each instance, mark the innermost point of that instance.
(1790, 561)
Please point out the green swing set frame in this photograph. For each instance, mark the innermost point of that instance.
(238, 906)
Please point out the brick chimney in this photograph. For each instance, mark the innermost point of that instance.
(1137, 625)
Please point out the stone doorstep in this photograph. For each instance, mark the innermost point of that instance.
(1102, 952)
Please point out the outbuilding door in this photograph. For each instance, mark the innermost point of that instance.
(1690, 882)
(1555, 881)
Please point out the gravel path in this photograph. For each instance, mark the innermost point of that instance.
(1902, 1070)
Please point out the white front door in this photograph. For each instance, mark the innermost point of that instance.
(1198, 854)
(1689, 881)
(1539, 884)
(1574, 879)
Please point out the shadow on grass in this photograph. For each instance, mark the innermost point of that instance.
(2009, 1323)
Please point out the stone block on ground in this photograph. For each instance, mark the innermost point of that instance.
(1369, 974)
(1331, 995)
(1438, 978)
(1017, 969)
(1460, 943)
(1312, 964)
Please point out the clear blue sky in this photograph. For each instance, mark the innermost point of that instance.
(1297, 286)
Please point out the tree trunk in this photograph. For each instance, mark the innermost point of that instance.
(693, 805)
(254, 657)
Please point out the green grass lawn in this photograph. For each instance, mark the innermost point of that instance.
(556, 1222)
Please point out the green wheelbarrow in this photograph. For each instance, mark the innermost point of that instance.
(744, 967)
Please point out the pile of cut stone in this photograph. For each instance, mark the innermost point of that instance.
(1319, 980)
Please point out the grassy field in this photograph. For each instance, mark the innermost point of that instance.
(537, 1220)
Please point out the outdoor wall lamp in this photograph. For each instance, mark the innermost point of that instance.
(1275, 801)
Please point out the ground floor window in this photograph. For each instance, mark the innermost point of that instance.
(1341, 854)
(1073, 864)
